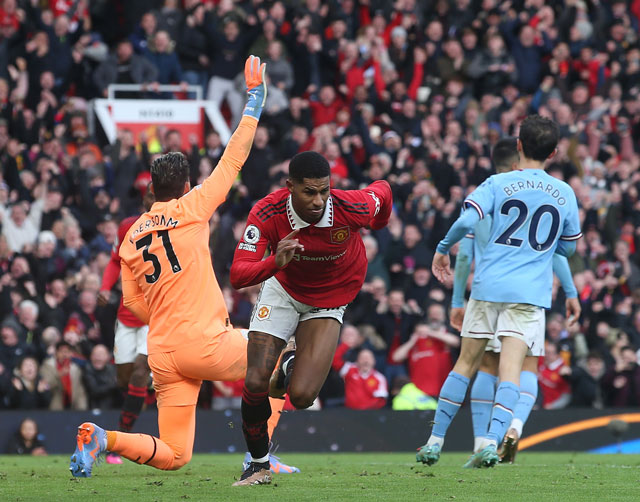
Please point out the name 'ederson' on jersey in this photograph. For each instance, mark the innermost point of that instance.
(531, 211)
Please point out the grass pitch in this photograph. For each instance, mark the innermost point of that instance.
(347, 476)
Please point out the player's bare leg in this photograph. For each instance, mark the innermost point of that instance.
(490, 363)
(512, 358)
(451, 396)
(316, 342)
(123, 374)
(263, 351)
(471, 354)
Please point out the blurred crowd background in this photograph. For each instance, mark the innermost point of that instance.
(414, 92)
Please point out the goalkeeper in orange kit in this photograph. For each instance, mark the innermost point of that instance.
(168, 283)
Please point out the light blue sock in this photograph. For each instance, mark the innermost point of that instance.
(451, 397)
(528, 396)
(507, 397)
(483, 393)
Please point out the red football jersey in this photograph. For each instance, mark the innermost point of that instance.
(552, 384)
(363, 391)
(330, 271)
(429, 365)
(112, 272)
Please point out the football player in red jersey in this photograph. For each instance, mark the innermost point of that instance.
(316, 267)
(130, 343)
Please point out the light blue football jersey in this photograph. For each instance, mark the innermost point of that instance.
(481, 234)
(531, 211)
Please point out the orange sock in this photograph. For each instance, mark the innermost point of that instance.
(142, 449)
(111, 439)
(276, 411)
(172, 451)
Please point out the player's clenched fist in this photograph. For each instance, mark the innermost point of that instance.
(256, 86)
(287, 247)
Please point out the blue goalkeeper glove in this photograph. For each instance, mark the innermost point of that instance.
(256, 86)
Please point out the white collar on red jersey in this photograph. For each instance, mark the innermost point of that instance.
(296, 222)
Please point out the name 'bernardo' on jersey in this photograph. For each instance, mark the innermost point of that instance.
(153, 221)
(519, 186)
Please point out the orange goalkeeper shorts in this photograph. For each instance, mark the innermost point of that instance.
(177, 375)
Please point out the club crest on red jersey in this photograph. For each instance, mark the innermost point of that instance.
(339, 235)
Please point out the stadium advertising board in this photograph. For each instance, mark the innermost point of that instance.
(341, 430)
(147, 119)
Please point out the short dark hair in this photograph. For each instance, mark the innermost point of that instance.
(308, 165)
(539, 137)
(169, 173)
(25, 357)
(62, 343)
(505, 153)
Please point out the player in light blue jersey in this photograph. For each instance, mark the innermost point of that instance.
(534, 215)
(505, 159)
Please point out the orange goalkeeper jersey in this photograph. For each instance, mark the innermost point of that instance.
(166, 265)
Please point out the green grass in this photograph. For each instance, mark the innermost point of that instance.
(540, 477)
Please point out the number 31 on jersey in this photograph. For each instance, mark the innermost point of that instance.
(145, 243)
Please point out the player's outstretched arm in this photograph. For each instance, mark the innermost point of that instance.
(205, 199)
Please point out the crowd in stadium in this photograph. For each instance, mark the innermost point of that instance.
(413, 92)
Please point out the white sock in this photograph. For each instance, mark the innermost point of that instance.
(517, 424)
(261, 460)
(433, 440)
(477, 441)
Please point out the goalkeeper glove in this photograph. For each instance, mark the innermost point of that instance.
(256, 86)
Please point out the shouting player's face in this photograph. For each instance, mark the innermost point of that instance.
(309, 198)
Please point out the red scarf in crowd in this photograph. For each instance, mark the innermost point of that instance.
(64, 370)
